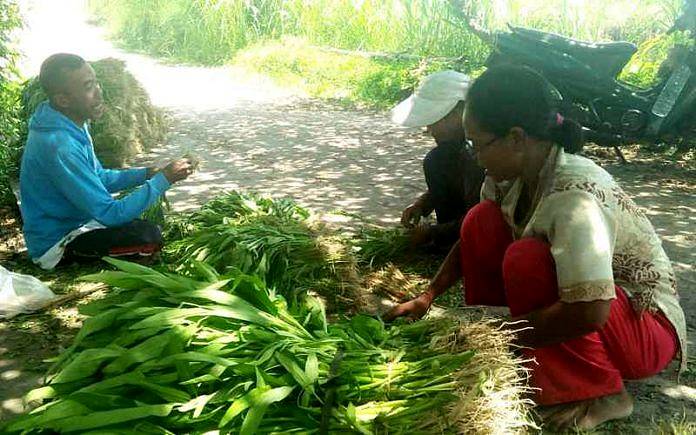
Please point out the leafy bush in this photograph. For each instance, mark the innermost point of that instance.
(644, 68)
(347, 77)
(10, 119)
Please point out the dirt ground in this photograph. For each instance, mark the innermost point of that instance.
(667, 191)
(252, 135)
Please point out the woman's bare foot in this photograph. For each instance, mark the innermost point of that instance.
(587, 414)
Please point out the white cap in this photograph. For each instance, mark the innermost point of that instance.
(433, 100)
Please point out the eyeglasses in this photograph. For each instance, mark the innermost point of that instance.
(469, 144)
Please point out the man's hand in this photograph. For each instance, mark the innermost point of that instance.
(177, 170)
(412, 215)
(421, 235)
(413, 309)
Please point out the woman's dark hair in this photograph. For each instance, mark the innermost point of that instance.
(510, 96)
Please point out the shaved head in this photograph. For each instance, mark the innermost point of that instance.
(72, 87)
(55, 71)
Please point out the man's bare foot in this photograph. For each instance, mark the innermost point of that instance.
(587, 414)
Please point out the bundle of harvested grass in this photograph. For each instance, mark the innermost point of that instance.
(130, 123)
(170, 354)
(375, 246)
(223, 350)
(391, 282)
(274, 239)
(491, 397)
(342, 290)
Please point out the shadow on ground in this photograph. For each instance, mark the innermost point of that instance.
(666, 189)
(28, 341)
(328, 159)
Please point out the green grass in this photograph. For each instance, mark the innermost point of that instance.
(295, 63)
(10, 119)
(210, 31)
(344, 77)
(644, 67)
(279, 37)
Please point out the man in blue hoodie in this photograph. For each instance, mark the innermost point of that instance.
(67, 204)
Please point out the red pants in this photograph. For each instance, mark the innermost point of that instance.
(522, 276)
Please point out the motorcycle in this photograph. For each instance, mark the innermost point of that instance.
(585, 74)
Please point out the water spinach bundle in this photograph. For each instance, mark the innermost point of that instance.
(170, 354)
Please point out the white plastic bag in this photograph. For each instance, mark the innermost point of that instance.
(21, 294)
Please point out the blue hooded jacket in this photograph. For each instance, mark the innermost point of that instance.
(63, 185)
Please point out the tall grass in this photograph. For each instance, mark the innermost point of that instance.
(10, 119)
(264, 35)
(210, 31)
(349, 78)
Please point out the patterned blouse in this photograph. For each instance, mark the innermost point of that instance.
(599, 237)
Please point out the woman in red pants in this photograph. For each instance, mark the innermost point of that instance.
(558, 241)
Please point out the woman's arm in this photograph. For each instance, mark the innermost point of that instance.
(560, 322)
(448, 274)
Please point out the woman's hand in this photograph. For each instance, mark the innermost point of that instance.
(413, 309)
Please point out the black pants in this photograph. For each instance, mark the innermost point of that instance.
(138, 238)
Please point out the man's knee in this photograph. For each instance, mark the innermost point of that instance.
(153, 235)
(148, 233)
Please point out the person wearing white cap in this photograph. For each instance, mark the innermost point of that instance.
(452, 175)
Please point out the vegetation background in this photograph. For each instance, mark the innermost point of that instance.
(288, 38)
(360, 52)
(10, 91)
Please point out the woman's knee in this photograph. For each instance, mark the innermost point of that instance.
(527, 252)
(483, 217)
(529, 276)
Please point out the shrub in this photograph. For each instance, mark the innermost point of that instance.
(644, 68)
(10, 119)
(351, 78)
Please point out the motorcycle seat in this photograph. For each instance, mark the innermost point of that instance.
(607, 59)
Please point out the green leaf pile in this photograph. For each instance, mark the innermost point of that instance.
(169, 354)
(229, 337)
